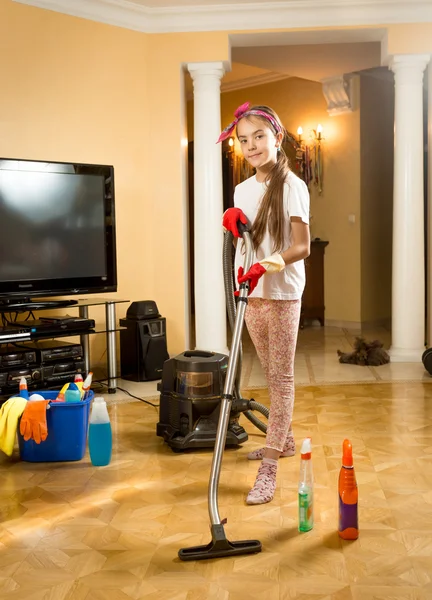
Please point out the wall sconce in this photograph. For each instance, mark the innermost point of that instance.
(228, 146)
(303, 162)
(318, 159)
(300, 133)
(309, 160)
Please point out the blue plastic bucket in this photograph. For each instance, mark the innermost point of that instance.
(67, 424)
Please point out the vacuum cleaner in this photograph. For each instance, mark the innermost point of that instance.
(427, 360)
(220, 546)
(193, 383)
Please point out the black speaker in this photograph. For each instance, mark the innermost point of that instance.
(144, 309)
(143, 348)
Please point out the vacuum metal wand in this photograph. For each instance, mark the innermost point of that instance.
(228, 390)
(220, 546)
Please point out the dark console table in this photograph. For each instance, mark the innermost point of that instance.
(83, 307)
(313, 295)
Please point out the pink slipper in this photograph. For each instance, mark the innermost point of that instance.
(265, 483)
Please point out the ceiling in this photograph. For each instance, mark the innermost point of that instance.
(314, 62)
(305, 37)
(179, 3)
(313, 55)
(203, 3)
(165, 16)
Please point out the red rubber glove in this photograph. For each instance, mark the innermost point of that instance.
(230, 218)
(253, 276)
(272, 264)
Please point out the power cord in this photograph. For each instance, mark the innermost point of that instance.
(12, 320)
(102, 383)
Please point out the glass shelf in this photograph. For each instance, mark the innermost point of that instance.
(51, 335)
(95, 302)
(37, 304)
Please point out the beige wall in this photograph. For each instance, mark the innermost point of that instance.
(301, 102)
(409, 38)
(376, 143)
(70, 91)
(78, 90)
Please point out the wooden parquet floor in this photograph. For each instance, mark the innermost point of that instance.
(70, 531)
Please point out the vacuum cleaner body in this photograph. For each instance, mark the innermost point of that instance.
(190, 400)
(427, 360)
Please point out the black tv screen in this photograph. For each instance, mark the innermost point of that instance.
(57, 228)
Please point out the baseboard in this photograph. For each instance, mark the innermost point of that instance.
(360, 325)
(343, 324)
(385, 323)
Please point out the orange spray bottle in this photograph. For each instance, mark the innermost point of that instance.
(348, 496)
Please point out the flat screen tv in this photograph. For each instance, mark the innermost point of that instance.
(57, 229)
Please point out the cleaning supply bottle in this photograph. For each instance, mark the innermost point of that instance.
(86, 386)
(72, 394)
(305, 488)
(23, 390)
(100, 434)
(348, 496)
(61, 394)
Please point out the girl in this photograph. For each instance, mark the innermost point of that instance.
(275, 202)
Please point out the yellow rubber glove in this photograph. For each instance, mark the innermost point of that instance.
(10, 413)
(273, 264)
(4, 411)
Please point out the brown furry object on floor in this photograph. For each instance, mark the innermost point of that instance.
(365, 353)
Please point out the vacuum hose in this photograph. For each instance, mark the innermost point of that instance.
(240, 404)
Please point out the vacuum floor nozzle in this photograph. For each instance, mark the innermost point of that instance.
(220, 547)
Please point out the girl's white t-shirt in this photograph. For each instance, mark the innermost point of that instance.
(289, 283)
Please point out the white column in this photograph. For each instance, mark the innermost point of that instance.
(408, 272)
(210, 308)
(429, 213)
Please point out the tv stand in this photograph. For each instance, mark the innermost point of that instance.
(111, 341)
(109, 330)
(28, 304)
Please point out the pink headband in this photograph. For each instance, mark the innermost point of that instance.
(243, 111)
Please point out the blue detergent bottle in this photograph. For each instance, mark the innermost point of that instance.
(100, 434)
(72, 394)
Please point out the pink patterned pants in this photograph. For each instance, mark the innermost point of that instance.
(273, 327)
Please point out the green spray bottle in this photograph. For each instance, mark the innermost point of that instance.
(305, 488)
